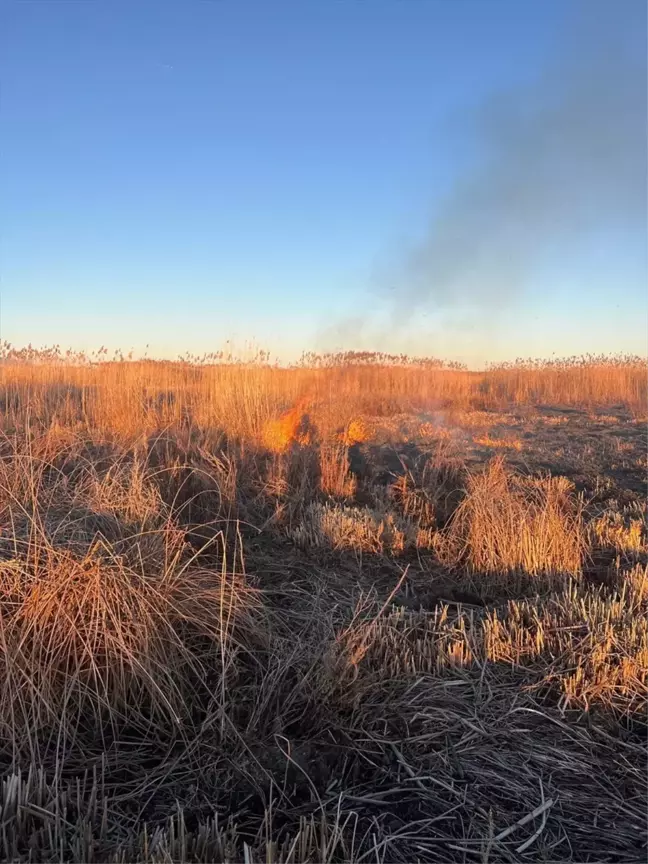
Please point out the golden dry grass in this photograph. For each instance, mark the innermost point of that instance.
(242, 618)
(509, 524)
(131, 397)
(335, 477)
(499, 443)
(373, 530)
(624, 531)
(88, 640)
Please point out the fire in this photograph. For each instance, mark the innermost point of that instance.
(295, 427)
(292, 427)
(357, 431)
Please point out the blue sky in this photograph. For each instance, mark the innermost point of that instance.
(179, 173)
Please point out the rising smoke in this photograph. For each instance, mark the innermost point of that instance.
(560, 161)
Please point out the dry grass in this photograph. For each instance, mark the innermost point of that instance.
(130, 397)
(90, 643)
(78, 818)
(375, 530)
(510, 525)
(624, 531)
(335, 467)
(590, 647)
(243, 619)
(499, 443)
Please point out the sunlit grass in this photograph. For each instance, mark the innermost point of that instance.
(243, 618)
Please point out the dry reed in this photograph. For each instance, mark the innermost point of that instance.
(221, 640)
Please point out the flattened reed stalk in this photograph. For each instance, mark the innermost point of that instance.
(78, 820)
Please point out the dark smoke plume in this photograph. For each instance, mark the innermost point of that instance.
(560, 161)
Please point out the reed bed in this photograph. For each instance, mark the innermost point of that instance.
(237, 624)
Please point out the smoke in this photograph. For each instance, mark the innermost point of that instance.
(560, 161)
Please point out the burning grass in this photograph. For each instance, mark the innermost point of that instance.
(293, 427)
(234, 630)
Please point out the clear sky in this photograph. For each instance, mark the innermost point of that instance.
(432, 176)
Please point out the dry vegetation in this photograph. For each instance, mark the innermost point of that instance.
(362, 609)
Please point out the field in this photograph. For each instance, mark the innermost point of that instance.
(364, 609)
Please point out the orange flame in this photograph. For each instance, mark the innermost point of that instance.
(292, 427)
(357, 431)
